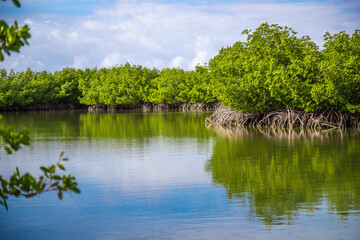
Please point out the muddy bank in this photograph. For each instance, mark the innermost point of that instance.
(152, 107)
(284, 118)
(44, 107)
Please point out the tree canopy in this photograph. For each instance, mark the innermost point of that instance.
(274, 69)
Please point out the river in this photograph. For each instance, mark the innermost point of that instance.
(166, 176)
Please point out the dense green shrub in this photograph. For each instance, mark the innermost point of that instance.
(272, 69)
(339, 85)
(29, 87)
(166, 87)
(66, 84)
(178, 86)
(197, 86)
(124, 84)
(89, 85)
(275, 69)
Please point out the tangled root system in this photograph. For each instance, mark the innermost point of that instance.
(285, 118)
(152, 107)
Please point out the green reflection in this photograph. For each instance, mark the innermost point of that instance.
(277, 174)
(122, 125)
(45, 125)
(145, 125)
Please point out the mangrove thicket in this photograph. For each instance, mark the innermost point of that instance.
(274, 77)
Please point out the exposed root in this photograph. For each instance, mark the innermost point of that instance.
(189, 107)
(224, 116)
(151, 107)
(44, 107)
(285, 118)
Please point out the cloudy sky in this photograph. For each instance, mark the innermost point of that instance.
(160, 33)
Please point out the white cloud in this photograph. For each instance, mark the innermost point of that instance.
(203, 52)
(22, 62)
(178, 61)
(200, 59)
(150, 64)
(73, 35)
(92, 25)
(80, 62)
(111, 60)
(28, 21)
(158, 164)
(56, 34)
(167, 35)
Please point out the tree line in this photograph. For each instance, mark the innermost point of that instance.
(272, 69)
(123, 84)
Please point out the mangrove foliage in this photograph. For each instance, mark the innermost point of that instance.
(274, 76)
(277, 78)
(119, 85)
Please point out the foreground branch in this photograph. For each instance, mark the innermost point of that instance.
(28, 186)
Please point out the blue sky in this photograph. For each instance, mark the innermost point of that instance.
(84, 7)
(64, 7)
(161, 33)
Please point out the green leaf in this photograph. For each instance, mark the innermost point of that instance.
(61, 166)
(76, 190)
(17, 3)
(60, 195)
(6, 206)
(56, 177)
(8, 150)
(52, 169)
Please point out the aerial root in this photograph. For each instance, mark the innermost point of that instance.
(285, 118)
(186, 107)
(152, 107)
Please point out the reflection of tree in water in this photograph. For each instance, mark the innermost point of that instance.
(121, 125)
(279, 176)
(137, 125)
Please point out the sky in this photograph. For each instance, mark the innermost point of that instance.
(161, 33)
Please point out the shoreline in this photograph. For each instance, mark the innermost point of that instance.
(145, 107)
(152, 107)
(222, 116)
(44, 107)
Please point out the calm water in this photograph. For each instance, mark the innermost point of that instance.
(165, 176)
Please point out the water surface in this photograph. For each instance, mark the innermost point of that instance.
(166, 176)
